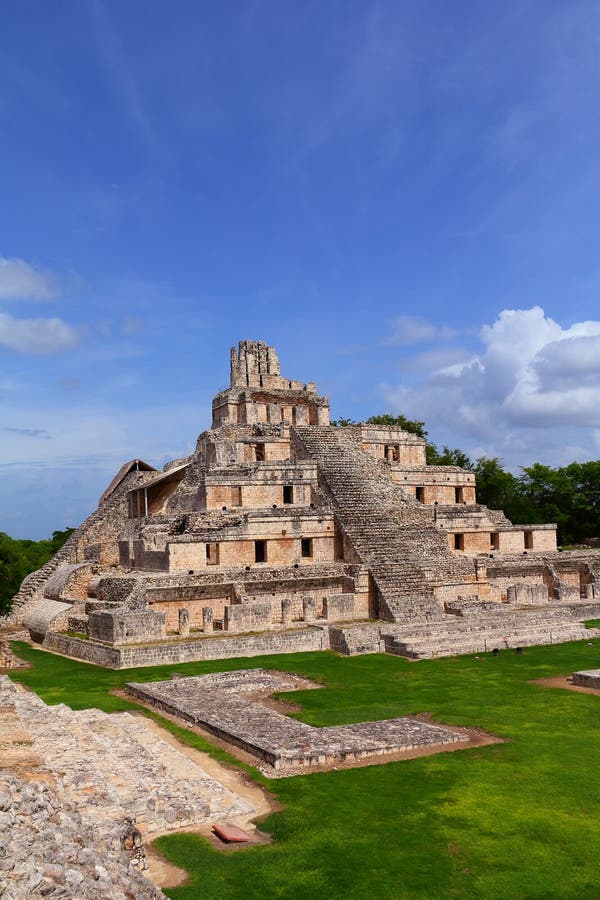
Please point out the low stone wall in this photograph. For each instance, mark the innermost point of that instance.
(88, 651)
(301, 641)
(528, 594)
(589, 678)
(339, 607)
(123, 626)
(249, 616)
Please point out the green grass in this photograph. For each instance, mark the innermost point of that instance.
(592, 623)
(511, 820)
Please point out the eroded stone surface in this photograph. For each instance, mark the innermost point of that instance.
(81, 791)
(229, 705)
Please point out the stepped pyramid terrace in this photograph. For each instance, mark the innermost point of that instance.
(282, 533)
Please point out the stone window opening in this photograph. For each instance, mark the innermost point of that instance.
(420, 494)
(459, 542)
(528, 540)
(212, 554)
(494, 541)
(391, 453)
(459, 495)
(260, 551)
(288, 493)
(306, 548)
(259, 452)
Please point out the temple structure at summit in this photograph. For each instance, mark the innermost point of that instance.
(283, 533)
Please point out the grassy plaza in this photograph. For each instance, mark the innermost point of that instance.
(516, 819)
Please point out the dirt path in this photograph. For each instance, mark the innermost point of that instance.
(563, 681)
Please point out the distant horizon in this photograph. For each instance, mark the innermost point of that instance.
(401, 199)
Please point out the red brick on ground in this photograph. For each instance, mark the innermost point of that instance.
(230, 833)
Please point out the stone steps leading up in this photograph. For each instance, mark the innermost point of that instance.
(29, 592)
(63, 833)
(123, 765)
(390, 532)
(430, 646)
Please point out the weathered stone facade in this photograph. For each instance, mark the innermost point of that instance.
(279, 522)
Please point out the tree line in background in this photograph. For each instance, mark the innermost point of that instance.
(568, 495)
(19, 558)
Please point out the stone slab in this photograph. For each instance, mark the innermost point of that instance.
(588, 678)
(231, 834)
(231, 705)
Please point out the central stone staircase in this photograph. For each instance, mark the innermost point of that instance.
(391, 533)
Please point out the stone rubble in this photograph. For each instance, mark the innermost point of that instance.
(81, 791)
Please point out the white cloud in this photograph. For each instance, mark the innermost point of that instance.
(445, 358)
(36, 335)
(416, 330)
(532, 391)
(20, 281)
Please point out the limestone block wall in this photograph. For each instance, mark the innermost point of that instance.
(256, 616)
(500, 539)
(149, 560)
(170, 610)
(282, 539)
(392, 444)
(113, 589)
(527, 537)
(499, 586)
(262, 449)
(527, 594)
(339, 607)
(470, 542)
(427, 491)
(453, 591)
(260, 496)
(126, 626)
(169, 599)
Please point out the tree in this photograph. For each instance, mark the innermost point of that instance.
(411, 425)
(447, 457)
(389, 421)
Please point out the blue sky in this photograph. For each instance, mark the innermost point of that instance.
(401, 197)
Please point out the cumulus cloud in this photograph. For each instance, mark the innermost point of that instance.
(20, 281)
(36, 335)
(408, 330)
(530, 378)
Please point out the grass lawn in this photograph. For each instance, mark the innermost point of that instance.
(513, 820)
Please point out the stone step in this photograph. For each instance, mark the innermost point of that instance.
(484, 641)
(124, 765)
(390, 531)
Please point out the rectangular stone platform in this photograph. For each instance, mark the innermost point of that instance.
(589, 678)
(229, 706)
